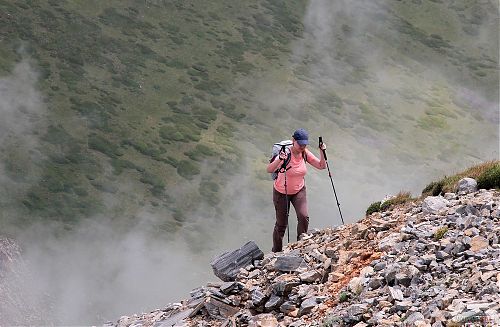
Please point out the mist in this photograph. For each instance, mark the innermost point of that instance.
(101, 270)
(22, 122)
(98, 273)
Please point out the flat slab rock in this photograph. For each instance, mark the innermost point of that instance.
(227, 265)
(287, 263)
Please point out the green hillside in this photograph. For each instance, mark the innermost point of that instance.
(158, 104)
(137, 91)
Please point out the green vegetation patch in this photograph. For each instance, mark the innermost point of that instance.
(438, 110)
(489, 178)
(400, 198)
(431, 122)
(433, 188)
(374, 207)
(200, 152)
(432, 41)
(440, 233)
(226, 130)
(120, 164)
(344, 297)
(188, 169)
(99, 143)
(158, 186)
(486, 174)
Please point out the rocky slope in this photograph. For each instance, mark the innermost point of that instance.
(434, 262)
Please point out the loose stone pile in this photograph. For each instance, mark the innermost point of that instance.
(441, 268)
(433, 263)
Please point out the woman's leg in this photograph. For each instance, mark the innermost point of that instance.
(299, 202)
(280, 206)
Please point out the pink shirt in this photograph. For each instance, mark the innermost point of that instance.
(294, 175)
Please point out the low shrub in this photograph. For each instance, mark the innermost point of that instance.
(374, 207)
(102, 145)
(439, 234)
(119, 165)
(433, 189)
(158, 186)
(199, 152)
(344, 296)
(180, 131)
(226, 130)
(205, 115)
(188, 169)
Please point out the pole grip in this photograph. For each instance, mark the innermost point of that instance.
(283, 165)
(320, 143)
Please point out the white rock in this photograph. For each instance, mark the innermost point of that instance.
(356, 285)
(434, 204)
(395, 294)
(388, 242)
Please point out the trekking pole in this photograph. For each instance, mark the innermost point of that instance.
(331, 179)
(283, 148)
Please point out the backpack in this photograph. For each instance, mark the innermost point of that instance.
(276, 151)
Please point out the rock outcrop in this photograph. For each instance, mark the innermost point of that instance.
(430, 263)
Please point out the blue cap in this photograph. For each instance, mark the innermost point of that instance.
(301, 136)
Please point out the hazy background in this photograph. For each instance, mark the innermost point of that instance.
(104, 268)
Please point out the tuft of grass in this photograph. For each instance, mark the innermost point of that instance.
(439, 234)
(343, 297)
(331, 321)
(486, 174)
(400, 198)
(490, 178)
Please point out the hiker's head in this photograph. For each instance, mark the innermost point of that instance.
(301, 137)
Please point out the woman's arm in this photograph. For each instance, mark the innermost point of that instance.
(314, 161)
(277, 162)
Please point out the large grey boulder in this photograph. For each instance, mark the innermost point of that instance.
(467, 185)
(228, 265)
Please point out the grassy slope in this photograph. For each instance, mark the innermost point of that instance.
(145, 98)
(138, 91)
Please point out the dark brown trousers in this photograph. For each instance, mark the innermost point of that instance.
(299, 202)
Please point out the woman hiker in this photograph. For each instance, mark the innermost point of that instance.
(295, 189)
